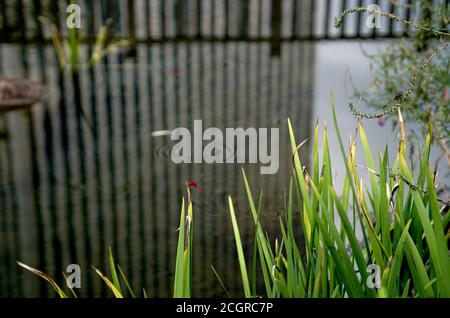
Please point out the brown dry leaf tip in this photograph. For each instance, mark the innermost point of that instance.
(307, 180)
(35, 271)
(353, 148)
(111, 286)
(297, 149)
(44, 276)
(402, 125)
(188, 193)
(187, 227)
(276, 249)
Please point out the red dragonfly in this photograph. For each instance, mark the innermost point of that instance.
(192, 185)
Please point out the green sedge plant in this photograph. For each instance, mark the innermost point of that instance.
(117, 282)
(68, 50)
(395, 224)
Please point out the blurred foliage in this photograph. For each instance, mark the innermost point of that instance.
(394, 65)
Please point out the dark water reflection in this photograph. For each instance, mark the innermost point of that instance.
(72, 184)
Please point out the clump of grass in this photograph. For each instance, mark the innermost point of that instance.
(396, 223)
(68, 50)
(113, 282)
(183, 267)
(403, 230)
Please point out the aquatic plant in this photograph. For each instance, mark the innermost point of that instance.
(183, 264)
(386, 239)
(113, 281)
(68, 50)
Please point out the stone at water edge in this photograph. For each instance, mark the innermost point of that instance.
(19, 93)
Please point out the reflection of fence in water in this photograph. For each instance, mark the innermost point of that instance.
(162, 20)
(69, 191)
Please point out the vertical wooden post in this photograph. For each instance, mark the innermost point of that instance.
(37, 11)
(131, 28)
(343, 7)
(275, 41)
(358, 20)
(294, 26)
(326, 21)
(374, 30)
(4, 27)
(243, 25)
(425, 19)
(179, 12)
(312, 7)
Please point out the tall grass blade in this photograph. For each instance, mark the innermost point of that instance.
(241, 258)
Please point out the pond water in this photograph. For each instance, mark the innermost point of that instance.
(86, 168)
(82, 171)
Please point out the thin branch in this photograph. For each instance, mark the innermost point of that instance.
(401, 97)
(339, 20)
